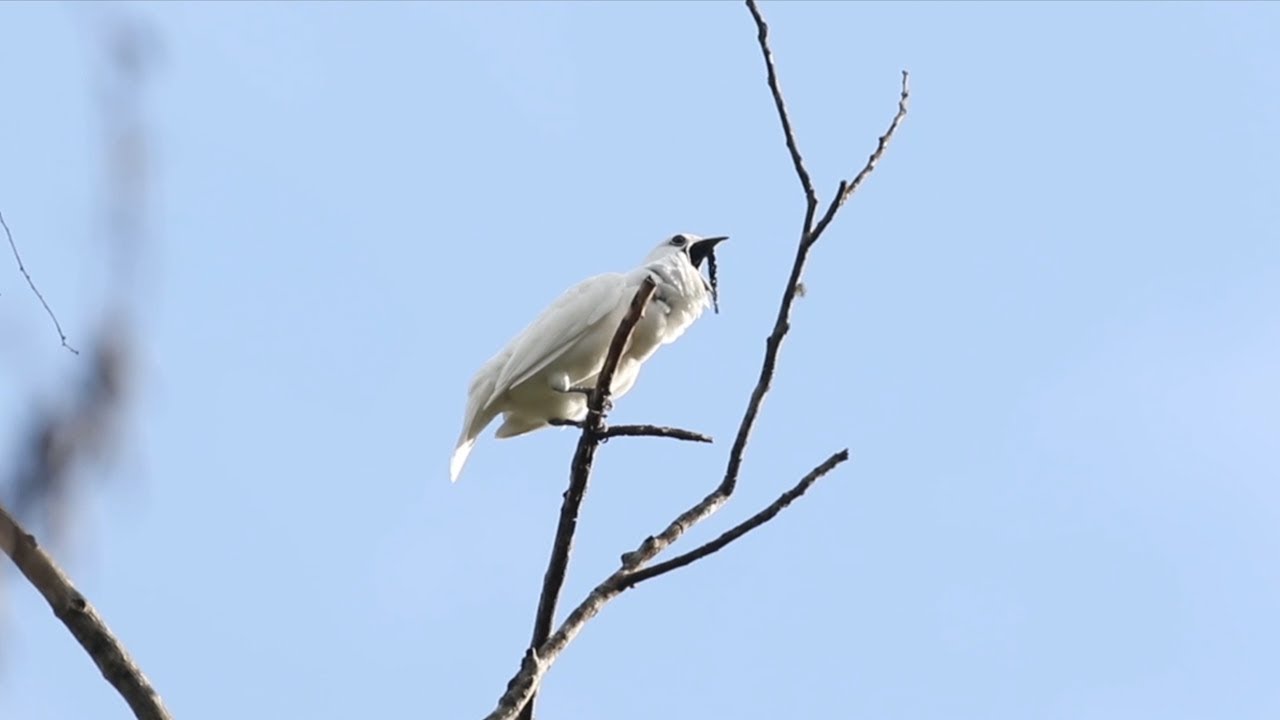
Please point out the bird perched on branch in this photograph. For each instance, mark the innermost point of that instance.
(545, 372)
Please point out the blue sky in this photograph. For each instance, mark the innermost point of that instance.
(1046, 329)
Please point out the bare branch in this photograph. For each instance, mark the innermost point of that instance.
(903, 98)
(808, 238)
(742, 528)
(762, 36)
(782, 324)
(81, 619)
(535, 664)
(579, 474)
(31, 283)
(848, 188)
(613, 431)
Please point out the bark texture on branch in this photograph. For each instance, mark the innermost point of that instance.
(81, 619)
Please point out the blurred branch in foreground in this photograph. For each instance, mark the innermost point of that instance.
(57, 441)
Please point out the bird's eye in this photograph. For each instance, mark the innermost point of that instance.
(679, 241)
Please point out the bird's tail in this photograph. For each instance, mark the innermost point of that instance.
(478, 417)
(460, 458)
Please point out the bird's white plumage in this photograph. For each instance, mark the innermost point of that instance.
(529, 382)
(561, 325)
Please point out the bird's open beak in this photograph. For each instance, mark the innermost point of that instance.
(701, 249)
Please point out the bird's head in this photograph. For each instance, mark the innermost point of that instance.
(695, 249)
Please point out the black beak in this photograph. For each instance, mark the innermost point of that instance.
(701, 249)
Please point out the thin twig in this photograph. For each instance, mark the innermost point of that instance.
(762, 36)
(612, 431)
(81, 619)
(742, 528)
(580, 473)
(848, 188)
(773, 344)
(31, 283)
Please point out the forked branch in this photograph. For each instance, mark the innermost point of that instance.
(849, 187)
(630, 580)
(534, 666)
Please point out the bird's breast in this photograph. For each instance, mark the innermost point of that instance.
(664, 321)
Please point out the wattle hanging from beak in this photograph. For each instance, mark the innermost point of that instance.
(704, 249)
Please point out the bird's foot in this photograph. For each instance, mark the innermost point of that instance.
(587, 391)
(601, 433)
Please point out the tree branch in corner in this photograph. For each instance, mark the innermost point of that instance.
(81, 619)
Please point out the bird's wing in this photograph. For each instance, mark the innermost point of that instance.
(566, 320)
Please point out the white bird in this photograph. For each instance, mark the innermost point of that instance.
(544, 373)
